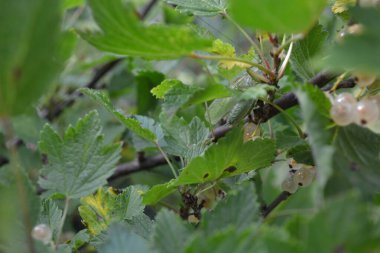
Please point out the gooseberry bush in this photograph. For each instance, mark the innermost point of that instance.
(190, 126)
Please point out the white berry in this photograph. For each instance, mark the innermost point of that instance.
(365, 80)
(289, 185)
(304, 176)
(356, 29)
(367, 112)
(343, 114)
(42, 232)
(345, 97)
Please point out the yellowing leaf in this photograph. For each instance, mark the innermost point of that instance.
(100, 210)
(341, 6)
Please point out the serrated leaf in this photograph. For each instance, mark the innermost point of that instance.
(315, 107)
(28, 59)
(292, 16)
(121, 240)
(229, 157)
(305, 50)
(183, 139)
(357, 51)
(181, 95)
(123, 34)
(169, 226)
(160, 90)
(200, 7)
(100, 210)
(80, 239)
(224, 214)
(359, 150)
(51, 215)
(129, 121)
(78, 163)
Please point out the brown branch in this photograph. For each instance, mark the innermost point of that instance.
(285, 102)
(280, 198)
(53, 110)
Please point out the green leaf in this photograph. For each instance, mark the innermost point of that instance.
(51, 215)
(229, 157)
(200, 7)
(315, 107)
(79, 163)
(359, 149)
(177, 95)
(80, 239)
(332, 227)
(157, 192)
(170, 232)
(123, 34)
(357, 52)
(28, 59)
(68, 4)
(14, 229)
(224, 242)
(220, 108)
(305, 50)
(130, 122)
(141, 224)
(100, 210)
(160, 90)
(121, 240)
(292, 16)
(184, 139)
(239, 210)
(146, 80)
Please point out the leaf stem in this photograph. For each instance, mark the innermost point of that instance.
(257, 77)
(224, 58)
(337, 82)
(64, 214)
(246, 35)
(167, 160)
(288, 117)
(288, 42)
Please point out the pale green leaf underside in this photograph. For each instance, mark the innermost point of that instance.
(78, 163)
(291, 16)
(131, 122)
(200, 7)
(123, 34)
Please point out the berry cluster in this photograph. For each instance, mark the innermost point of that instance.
(299, 175)
(346, 109)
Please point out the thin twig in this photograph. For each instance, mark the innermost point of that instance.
(280, 198)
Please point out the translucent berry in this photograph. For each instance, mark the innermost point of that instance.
(365, 80)
(356, 29)
(289, 185)
(42, 232)
(343, 114)
(304, 176)
(367, 112)
(346, 98)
